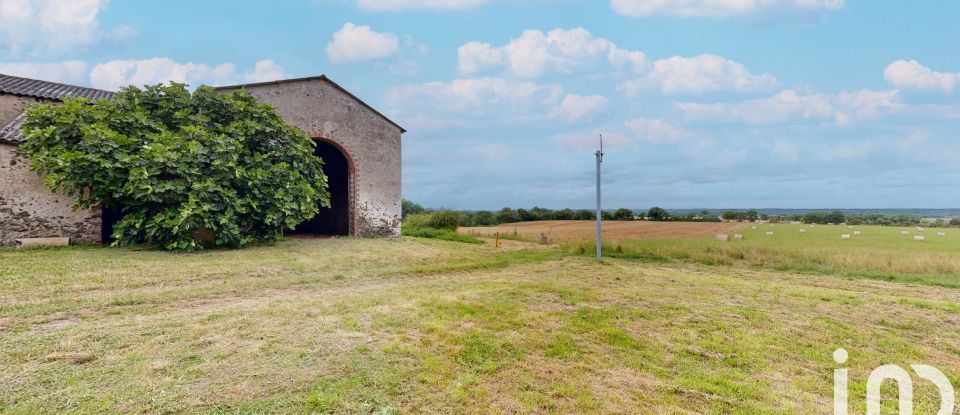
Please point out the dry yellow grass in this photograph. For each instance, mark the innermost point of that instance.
(559, 231)
(419, 326)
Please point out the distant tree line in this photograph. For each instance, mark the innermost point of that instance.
(509, 215)
(870, 219)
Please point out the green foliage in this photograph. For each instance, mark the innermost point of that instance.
(409, 208)
(507, 215)
(444, 219)
(563, 214)
(436, 225)
(738, 215)
(658, 214)
(834, 217)
(623, 214)
(584, 214)
(444, 234)
(179, 165)
(417, 220)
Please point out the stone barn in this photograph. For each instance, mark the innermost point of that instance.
(360, 148)
(28, 209)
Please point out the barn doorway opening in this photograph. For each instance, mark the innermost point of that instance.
(334, 220)
(108, 217)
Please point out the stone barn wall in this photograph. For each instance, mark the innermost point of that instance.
(371, 143)
(28, 209)
(12, 105)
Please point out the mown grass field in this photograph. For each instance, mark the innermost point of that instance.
(421, 326)
(879, 252)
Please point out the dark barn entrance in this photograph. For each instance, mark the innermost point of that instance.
(334, 220)
(108, 216)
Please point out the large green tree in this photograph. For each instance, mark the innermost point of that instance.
(658, 214)
(179, 166)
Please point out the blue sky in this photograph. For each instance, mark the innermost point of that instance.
(703, 103)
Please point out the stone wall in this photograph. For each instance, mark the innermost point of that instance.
(12, 105)
(371, 144)
(28, 209)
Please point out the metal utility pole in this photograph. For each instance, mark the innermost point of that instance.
(599, 155)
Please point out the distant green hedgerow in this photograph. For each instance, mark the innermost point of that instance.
(436, 225)
(179, 166)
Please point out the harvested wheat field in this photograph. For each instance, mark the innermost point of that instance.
(584, 230)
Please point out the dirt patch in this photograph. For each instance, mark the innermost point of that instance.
(584, 230)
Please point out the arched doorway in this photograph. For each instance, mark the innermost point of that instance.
(333, 220)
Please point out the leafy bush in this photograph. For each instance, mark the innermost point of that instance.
(409, 208)
(444, 219)
(444, 234)
(179, 166)
(436, 225)
(417, 220)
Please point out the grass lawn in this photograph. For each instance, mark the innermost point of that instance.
(879, 252)
(422, 326)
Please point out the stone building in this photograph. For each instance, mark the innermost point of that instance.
(28, 209)
(360, 148)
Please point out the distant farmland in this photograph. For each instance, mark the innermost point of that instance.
(585, 230)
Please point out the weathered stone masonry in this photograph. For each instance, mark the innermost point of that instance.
(371, 142)
(318, 106)
(28, 209)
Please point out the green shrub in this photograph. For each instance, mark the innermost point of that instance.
(417, 220)
(445, 219)
(436, 225)
(444, 234)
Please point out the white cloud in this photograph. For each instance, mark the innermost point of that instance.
(699, 74)
(575, 107)
(656, 130)
(66, 72)
(473, 57)
(535, 53)
(121, 34)
(264, 71)
(114, 74)
(856, 105)
(590, 140)
(477, 96)
(718, 8)
(397, 5)
(789, 106)
(354, 43)
(487, 101)
(53, 25)
(911, 74)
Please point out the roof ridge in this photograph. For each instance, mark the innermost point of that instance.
(18, 85)
(315, 78)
